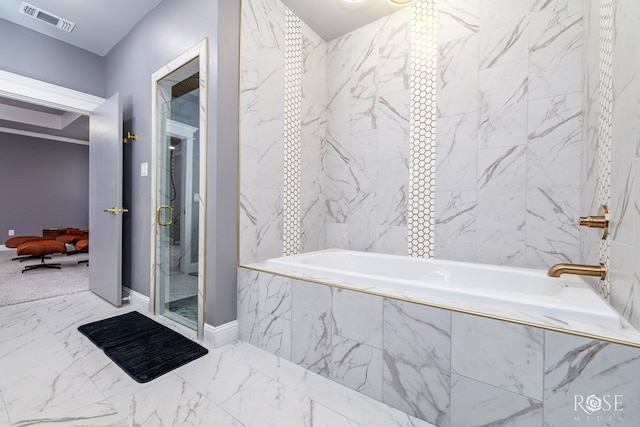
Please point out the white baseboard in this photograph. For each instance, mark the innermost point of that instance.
(215, 336)
(136, 299)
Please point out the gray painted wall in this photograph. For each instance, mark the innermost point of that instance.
(42, 184)
(31, 54)
(170, 29)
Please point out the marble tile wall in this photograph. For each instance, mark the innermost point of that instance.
(262, 130)
(589, 240)
(509, 135)
(447, 368)
(367, 155)
(625, 208)
(625, 162)
(314, 136)
(262, 133)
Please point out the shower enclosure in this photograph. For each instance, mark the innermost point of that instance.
(179, 151)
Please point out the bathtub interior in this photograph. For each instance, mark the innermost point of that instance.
(523, 295)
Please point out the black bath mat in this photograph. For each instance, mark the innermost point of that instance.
(143, 348)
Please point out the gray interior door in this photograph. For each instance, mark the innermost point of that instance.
(105, 201)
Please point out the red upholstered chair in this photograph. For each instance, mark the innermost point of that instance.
(14, 242)
(40, 249)
(71, 237)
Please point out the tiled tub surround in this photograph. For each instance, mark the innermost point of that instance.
(508, 140)
(446, 367)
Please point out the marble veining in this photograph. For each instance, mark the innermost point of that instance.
(507, 40)
(357, 365)
(501, 177)
(478, 404)
(51, 375)
(504, 355)
(509, 129)
(415, 333)
(551, 227)
(455, 232)
(555, 49)
(583, 367)
(367, 328)
(311, 327)
(555, 137)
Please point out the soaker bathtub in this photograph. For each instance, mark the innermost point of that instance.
(455, 284)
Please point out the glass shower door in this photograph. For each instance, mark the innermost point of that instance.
(177, 238)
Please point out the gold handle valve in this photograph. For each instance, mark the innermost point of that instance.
(112, 210)
(598, 221)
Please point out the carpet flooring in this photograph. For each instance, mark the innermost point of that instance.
(17, 287)
(142, 347)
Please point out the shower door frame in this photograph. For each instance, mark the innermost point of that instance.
(200, 52)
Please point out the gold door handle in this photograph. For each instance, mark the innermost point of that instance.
(159, 212)
(116, 211)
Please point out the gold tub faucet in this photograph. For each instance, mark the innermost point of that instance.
(579, 269)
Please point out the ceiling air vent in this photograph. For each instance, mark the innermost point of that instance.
(50, 19)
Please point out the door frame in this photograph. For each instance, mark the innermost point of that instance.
(200, 51)
(15, 86)
(38, 92)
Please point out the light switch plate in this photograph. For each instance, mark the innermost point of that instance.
(144, 169)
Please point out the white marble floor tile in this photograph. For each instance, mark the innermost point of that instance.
(265, 402)
(356, 406)
(321, 416)
(56, 389)
(112, 381)
(217, 375)
(51, 375)
(100, 414)
(272, 366)
(4, 415)
(170, 401)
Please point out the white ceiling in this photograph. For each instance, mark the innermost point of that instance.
(333, 18)
(21, 118)
(100, 24)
